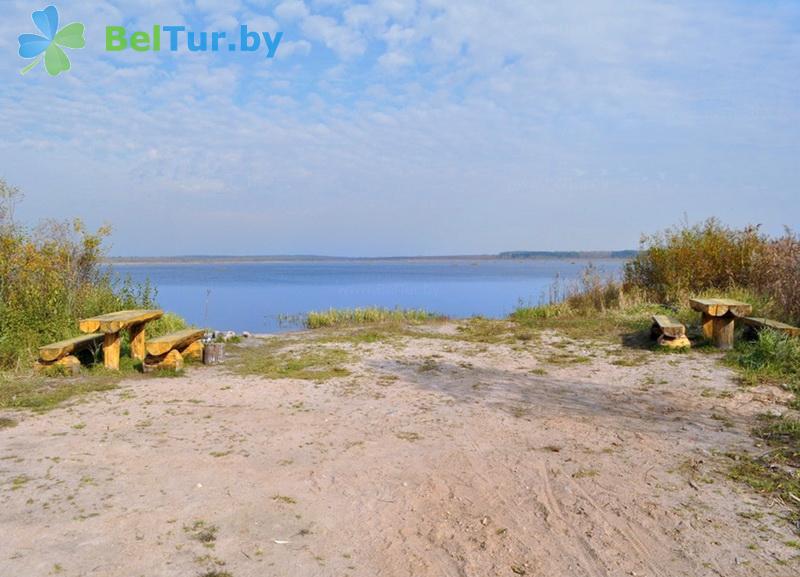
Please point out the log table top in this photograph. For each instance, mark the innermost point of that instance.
(721, 307)
(115, 322)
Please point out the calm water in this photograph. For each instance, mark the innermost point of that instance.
(252, 296)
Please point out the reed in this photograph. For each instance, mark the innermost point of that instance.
(366, 316)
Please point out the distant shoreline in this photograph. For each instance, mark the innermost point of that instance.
(277, 259)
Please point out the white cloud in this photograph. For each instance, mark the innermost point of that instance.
(291, 10)
(299, 47)
(502, 115)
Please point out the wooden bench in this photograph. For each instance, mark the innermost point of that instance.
(759, 323)
(669, 332)
(61, 353)
(170, 351)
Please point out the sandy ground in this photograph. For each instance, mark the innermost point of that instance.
(435, 457)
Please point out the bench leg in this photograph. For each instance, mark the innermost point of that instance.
(111, 343)
(137, 341)
(708, 326)
(723, 332)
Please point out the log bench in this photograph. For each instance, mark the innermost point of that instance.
(756, 324)
(170, 351)
(62, 353)
(669, 332)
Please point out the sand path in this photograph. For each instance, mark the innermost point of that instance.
(440, 458)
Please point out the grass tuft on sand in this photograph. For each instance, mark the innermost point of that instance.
(45, 391)
(41, 393)
(315, 364)
(777, 471)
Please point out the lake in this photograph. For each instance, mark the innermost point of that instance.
(253, 296)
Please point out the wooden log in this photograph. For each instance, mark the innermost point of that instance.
(177, 340)
(193, 352)
(759, 323)
(708, 326)
(681, 342)
(70, 364)
(670, 328)
(137, 341)
(721, 307)
(115, 322)
(723, 332)
(173, 360)
(214, 353)
(55, 351)
(111, 345)
(738, 308)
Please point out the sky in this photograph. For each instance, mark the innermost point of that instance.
(409, 127)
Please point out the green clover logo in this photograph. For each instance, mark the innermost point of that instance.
(33, 45)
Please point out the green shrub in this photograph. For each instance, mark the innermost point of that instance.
(526, 314)
(772, 351)
(50, 277)
(688, 259)
(772, 356)
(711, 259)
(169, 323)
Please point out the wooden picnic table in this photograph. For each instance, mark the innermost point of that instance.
(718, 318)
(112, 324)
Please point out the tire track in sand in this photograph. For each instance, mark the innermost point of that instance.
(578, 545)
(622, 528)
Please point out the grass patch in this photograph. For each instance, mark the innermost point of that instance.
(363, 335)
(631, 361)
(7, 423)
(772, 358)
(41, 393)
(776, 473)
(316, 364)
(566, 359)
(585, 473)
(631, 324)
(366, 316)
(19, 482)
(483, 330)
(284, 499)
(429, 365)
(764, 479)
(202, 531)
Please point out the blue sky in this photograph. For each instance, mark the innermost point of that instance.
(405, 127)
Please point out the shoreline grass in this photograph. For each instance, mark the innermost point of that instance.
(368, 315)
